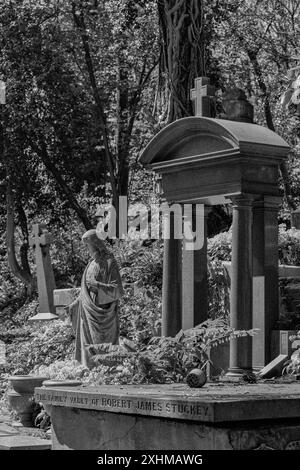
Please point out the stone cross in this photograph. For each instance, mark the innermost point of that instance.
(40, 241)
(202, 96)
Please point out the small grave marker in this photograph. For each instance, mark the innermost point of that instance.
(40, 241)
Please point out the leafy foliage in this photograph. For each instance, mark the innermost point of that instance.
(289, 246)
(161, 360)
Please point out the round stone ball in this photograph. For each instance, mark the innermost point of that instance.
(196, 378)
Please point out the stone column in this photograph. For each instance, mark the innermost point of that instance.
(265, 277)
(241, 284)
(194, 282)
(171, 289)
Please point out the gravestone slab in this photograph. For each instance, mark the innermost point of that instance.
(274, 368)
(213, 403)
(216, 417)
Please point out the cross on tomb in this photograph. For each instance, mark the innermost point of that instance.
(202, 96)
(40, 241)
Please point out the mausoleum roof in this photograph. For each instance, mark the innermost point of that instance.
(200, 137)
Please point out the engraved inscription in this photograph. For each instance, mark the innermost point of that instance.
(145, 406)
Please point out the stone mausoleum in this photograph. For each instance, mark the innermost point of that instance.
(215, 161)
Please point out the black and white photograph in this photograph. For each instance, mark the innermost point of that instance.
(149, 231)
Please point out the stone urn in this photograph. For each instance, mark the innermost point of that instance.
(196, 378)
(21, 397)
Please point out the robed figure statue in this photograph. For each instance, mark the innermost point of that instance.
(94, 314)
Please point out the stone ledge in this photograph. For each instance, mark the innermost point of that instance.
(214, 403)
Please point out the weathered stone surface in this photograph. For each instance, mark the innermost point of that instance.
(213, 403)
(24, 443)
(87, 430)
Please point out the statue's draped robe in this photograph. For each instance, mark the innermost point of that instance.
(94, 316)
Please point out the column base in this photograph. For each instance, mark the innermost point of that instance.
(238, 373)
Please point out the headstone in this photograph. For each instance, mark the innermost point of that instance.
(63, 297)
(40, 241)
(237, 107)
(281, 343)
(274, 368)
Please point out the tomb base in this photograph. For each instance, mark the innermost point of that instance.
(159, 417)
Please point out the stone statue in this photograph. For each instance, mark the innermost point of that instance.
(94, 314)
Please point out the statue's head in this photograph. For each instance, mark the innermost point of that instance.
(95, 245)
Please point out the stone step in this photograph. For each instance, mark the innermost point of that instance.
(19, 442)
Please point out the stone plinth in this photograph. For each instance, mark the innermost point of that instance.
(215, 417)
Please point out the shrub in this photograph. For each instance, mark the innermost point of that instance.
(289, 246)
(140, 314)
(162, 360)
(43, 345)
(219, 247)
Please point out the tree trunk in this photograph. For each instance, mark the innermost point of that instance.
(22, 272)
(183, 51)
(25, 245)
